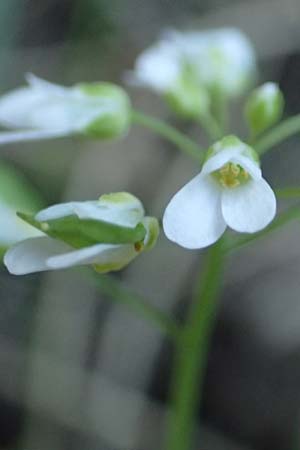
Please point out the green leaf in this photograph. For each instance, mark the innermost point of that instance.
(85, 232)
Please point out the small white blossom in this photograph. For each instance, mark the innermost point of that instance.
(221, 59)
(229, 191)
(48, 253)
(45, 110)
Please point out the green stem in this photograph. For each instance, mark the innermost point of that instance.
(183, 142)
(288, 193)
(211, 126)
(191, 354)
(284, 130)
(116, 291)
(291, 214)
(221, 110)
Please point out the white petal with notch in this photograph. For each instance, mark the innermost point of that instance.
(193, 218)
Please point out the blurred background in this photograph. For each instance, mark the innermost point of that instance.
(79, 371)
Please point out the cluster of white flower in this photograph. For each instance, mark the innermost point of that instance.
(221, 59)
(189, 69)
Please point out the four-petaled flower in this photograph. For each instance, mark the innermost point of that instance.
(107, 233)
(229, 191)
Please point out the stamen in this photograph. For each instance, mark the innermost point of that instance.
(231, 175)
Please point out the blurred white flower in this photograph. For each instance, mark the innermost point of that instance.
(229, 191)
(222, 60)
(107, 233)
(44, 110)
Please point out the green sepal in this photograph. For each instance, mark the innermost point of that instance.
(153, 228)
(188, 99)
(110, 124)
(81, 233)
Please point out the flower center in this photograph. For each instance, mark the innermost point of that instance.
(231, 175)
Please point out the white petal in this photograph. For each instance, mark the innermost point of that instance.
(193, 218)
(12, 137)
(46, 106)
(223, 58)
(106, 254)
(44, 86)
(12, 228)
(157, 67)
(249, 165)
(16, 107)
(31, 255)
(249, 208)
(126, 213)
(59, 211)
(221, 158)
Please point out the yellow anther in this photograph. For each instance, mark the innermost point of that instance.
(235, 169)
(245, 174)
(231, 175)
(225, 169)
(229, 182)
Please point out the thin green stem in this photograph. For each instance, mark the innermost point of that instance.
(284, 130)
(285, 217)
(118, 292)
(191, 353)
(221, 111)
(211, 126)
(183, 142)
(288, 192)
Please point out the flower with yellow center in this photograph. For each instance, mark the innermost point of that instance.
(229, 191)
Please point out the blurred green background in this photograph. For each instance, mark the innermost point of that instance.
(76, 370)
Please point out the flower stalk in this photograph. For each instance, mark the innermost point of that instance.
(183, 142)
(191, 353)
(136, 303)
(278, 134)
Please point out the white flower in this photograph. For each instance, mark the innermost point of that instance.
(44, 110)
(75, 236)
(221, 59)
(229, 191)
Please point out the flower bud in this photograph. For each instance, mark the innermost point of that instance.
(114, 120)
(188, 100)
(264, 108)
(44, 110)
